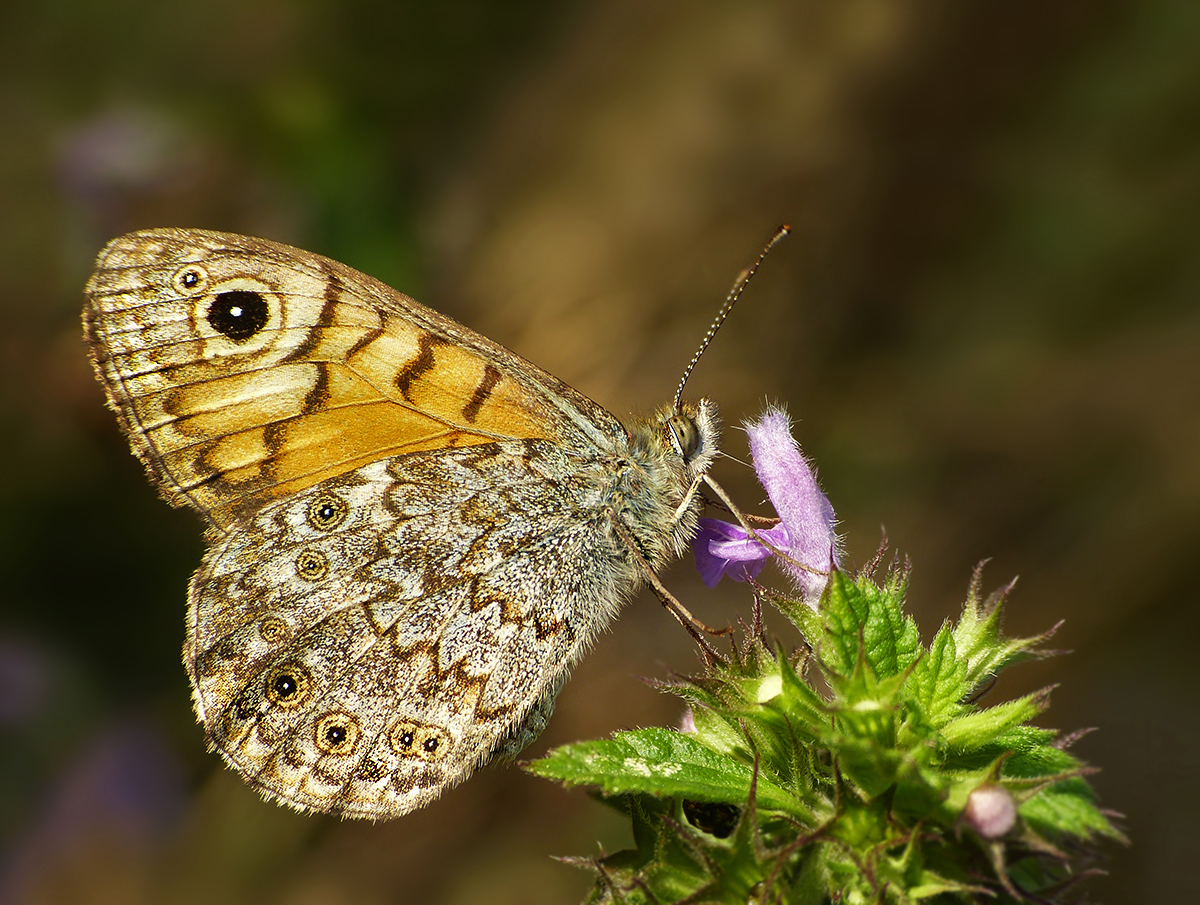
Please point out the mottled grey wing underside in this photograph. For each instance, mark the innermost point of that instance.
(364, 644)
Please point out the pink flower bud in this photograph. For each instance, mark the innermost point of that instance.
(687, 723)
(990, 811)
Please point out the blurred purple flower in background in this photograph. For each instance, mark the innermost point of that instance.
(123, 797)
(806, 520)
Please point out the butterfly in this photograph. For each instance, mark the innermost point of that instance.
(413, 533)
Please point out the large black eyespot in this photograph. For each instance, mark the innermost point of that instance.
(239, 314)
(285, 686)
(327, 511)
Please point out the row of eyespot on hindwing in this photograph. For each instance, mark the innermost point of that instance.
(288, 686)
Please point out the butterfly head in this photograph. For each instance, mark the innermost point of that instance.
(673, 449)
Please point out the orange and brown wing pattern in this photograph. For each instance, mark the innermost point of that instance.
(244, 371)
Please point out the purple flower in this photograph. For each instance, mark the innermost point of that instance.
(722, 548)
(804, 533)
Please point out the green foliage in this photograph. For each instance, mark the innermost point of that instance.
(853, 787)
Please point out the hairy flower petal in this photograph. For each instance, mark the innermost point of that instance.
(797, 498)
(805, 532)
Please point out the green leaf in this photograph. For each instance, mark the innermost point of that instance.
(861, 787)
(980, 642)
(862, 614)
(662, 762)
(1067, 808)
(738, 865)
(719, 732)
(873, 768)
(939, 681)
(977, 729)
(1037, 763)
(661, 863)
(806, 710)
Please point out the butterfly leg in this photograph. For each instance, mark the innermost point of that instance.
(694, 626)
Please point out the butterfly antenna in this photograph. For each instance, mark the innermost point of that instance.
(739, 286)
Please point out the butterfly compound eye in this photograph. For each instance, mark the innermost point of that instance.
(685, 436)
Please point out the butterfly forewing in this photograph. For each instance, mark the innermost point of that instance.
(247, 370)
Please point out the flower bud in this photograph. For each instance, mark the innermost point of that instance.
(687, 723)
(990, 811)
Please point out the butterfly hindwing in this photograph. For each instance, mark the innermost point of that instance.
(403, 594)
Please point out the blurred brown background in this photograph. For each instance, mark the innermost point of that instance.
(986, 323)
